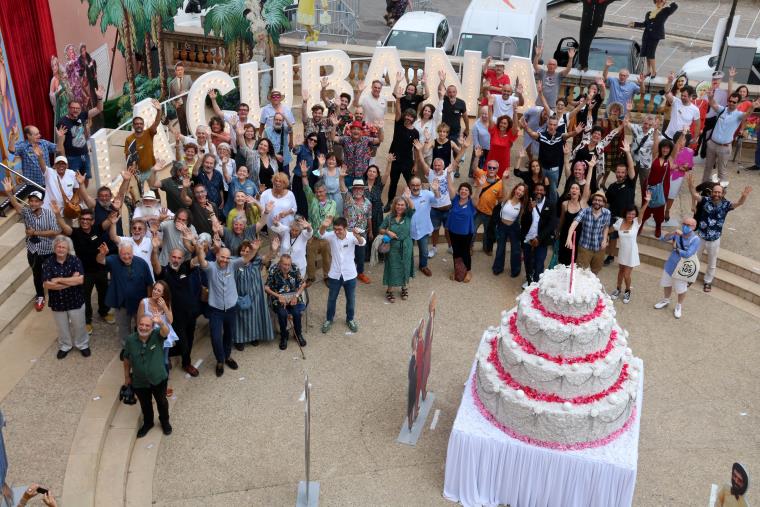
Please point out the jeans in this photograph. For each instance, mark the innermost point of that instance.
(98, 280)
(158, 392)
(71, 330)
(506, 233)
(553, 174)
(359, 258)
(35, 261)
(222, 327)
(282, 317)
(80, 164)
(535, 258)
(422, 247)
(349, 287)
(488, 234)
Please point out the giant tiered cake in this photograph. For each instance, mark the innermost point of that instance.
(558, 371)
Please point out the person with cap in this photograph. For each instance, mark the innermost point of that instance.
(176, 187)
(41, 228)
(130, 279)
(495, 77)
(63, 276)
(720, 139)
(685, 243)
(61, 183)
(357, 149)
(143, 143)
(145, 371)
(150, 209)
(595, 221)
(720, 96)
(358, 212)
(344, 249)
(266, 116)
(35, 152)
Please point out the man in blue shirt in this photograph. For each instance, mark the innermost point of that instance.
(35, 152)
(685, 244)
(719, 141)
(621, 90)
(422, 225)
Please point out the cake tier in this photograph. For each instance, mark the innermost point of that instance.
(563, 423)
(553, 291)
(567, 377)
(559, 335)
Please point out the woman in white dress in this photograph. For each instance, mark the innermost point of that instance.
(628, 249)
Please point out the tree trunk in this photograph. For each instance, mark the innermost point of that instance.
(158, 23)
(148, 63)
(130, 57)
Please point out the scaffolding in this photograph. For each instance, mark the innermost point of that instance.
(339, 20)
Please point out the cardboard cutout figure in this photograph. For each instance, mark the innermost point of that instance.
(733, 495)
(428, 345)
(415, 366)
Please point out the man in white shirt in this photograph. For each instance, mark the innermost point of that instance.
(504, 104)
(60, 181)
(342, 268)
(293, 241)
(374, 104)
(682, 112)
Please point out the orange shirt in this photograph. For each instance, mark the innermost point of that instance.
(489, 197)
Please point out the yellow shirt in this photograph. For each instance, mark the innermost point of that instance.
(726, 499)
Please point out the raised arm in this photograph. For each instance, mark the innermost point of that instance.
(65, 228)
(570, 57)
(214, 105)
(628, 159)
(607, 64)
(154, 126)
(669, 88)
(587, 186)
(742, 198)
(99, 94)
(537, 56)
(8, 187)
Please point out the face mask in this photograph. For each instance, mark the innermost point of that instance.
(685, 229)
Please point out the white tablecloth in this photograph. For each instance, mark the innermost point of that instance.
(484, 466)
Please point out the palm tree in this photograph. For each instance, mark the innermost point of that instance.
(225, 19)
(158, 11)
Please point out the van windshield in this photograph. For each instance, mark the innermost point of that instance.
(489, 45)
(405, 40)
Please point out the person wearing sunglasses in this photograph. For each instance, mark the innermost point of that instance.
(275, 106)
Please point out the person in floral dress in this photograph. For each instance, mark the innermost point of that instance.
(357, 210)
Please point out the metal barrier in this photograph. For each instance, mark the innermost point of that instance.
(342, 19)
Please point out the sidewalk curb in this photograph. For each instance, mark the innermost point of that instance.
(675, 33)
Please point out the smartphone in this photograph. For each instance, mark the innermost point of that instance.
(42, 491)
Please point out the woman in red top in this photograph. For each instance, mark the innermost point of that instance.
(503, 133)
(662, 156)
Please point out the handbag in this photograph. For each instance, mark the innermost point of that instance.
(384, 247)
(658, 191)
(245, 302)
(71, 207)
(687, 268)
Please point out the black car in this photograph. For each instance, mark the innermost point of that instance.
(625, 53)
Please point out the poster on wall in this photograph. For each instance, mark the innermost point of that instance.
(9, 115)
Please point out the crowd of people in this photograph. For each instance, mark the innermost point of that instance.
(251, 212)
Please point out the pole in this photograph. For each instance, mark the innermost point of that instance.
(572, 263)
(723, 43)
(113, 58)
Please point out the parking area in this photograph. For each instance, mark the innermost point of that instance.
(690, 30)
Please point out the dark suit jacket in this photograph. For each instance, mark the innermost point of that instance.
(547, 223)
(654, 28)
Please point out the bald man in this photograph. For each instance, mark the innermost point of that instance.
(549, 77)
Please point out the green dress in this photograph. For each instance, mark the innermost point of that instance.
(399, 262)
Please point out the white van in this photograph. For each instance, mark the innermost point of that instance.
(501, 28)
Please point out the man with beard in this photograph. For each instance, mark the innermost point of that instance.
(143, 140)
(204, 213)
(140, 243)
(319, 124)
(184, 280)
(211, 179)
(733, 495)
(280, 134)
(593, 241)
(537, 231)
(105, 204)
(75, 138)
(402, 147)
(176, 187)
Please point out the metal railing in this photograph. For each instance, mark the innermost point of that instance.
(340, 19)
(5, 202)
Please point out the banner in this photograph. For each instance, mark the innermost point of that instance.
(9, 115)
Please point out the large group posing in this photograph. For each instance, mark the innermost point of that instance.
(251, 211)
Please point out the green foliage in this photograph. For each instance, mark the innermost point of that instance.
(144, 89)
(225, 19)
(275, 18)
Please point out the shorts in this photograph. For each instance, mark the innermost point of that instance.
(679, 286)
(143, 176)
(80, 164)
(675, 187)
(439, 217)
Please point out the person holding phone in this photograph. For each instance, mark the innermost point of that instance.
(34, 490)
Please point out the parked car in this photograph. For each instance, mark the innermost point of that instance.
(499, 28)
(625, 53)
(702, 67)
(417, 30)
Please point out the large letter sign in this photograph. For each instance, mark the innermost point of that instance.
(311, 63)
(196, 97)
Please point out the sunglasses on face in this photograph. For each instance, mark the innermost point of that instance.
(490, 167)
(733, 101)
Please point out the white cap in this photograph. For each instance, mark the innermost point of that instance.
(149, 194)
(61, 158)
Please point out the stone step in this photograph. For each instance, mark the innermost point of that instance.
(17, 300)
(725, 280)
(114, 459)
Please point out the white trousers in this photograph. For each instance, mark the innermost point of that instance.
(712, 248)
(71, 329)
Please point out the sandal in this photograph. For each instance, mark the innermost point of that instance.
(404, 293)
(707, 287)
(389, 297)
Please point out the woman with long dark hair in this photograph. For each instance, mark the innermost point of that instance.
(659, 183)
(508, 229)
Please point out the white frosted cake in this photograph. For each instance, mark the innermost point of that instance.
(558, 371)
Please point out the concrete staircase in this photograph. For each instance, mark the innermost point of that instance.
(16, 287)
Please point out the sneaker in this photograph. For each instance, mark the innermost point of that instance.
(363, 278)
(432, 251)
(39, 304)
(626, 297)
(608, 260)
(110, 319)
(86, 352)
(89, 329)
(661, 304)
(677, 312)
(353, 326)
(450, 250)
(615, 294)
(61, 354)
(753, 168)
(326, 326)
